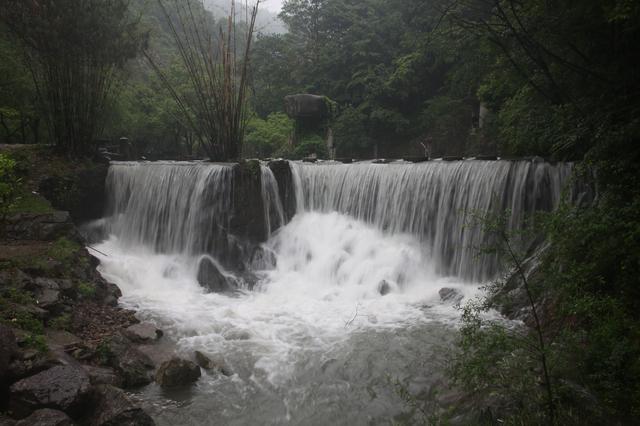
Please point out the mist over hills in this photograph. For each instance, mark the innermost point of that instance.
(267, 22)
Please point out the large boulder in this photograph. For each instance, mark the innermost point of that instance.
(102, 376)
(177, 372)
(218, 365)
(48, 293)
(46, 417)
(114, 408)
(307, 106)
(210, 277)
(143, 332)
(32, 362)
(132, 365)
(62, 388)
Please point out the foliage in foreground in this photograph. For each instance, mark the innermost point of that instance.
(583, 286)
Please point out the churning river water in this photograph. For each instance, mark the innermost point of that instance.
(314, 341)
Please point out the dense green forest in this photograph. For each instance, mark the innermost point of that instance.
(509, 78)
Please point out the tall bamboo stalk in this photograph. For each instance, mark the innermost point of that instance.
(218, 75)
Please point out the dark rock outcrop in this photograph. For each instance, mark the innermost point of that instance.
(281, 170)
(114, 408)
(62, 388)
(39, 226)
(247, 220)
(47, 295)
(511, 300)
(177, 372)
(210, 277)
(81, 192)
(46, 417)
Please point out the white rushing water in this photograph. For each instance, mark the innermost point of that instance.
(316, 341)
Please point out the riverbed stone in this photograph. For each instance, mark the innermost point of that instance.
(130, 363)
(212, 364)
(114, 408)
(210, 277)
(448, 294)
(46, 417)
(102, 375)
(384, 288)
(64, 388)
(237, 335)
(177, 372)
(143, 332)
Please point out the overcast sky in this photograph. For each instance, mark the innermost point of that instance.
(272, 5)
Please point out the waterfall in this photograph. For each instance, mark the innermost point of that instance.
(172, 207)
(186, 208)
(273, 209)
(315, 304)
(433, 200)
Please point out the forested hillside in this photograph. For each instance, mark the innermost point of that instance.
(401, 78)
(549, 77)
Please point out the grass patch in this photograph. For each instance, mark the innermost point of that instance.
(28, 202)
(62, 322)
(14, 313)
(86, 290)
(20, 297)
(104, 354)
(63, 250)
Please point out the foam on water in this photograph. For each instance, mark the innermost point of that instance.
(315, 340)
(326, 285)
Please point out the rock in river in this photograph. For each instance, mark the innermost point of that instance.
(114, 408)
(177, 372)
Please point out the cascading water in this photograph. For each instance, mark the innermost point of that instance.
(170, 207)
(432, 201)
(273, 210)
(347, 294)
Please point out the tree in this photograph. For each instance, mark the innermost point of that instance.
(217, 68)
(19, 116)
(73, 49)
(266, 137)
